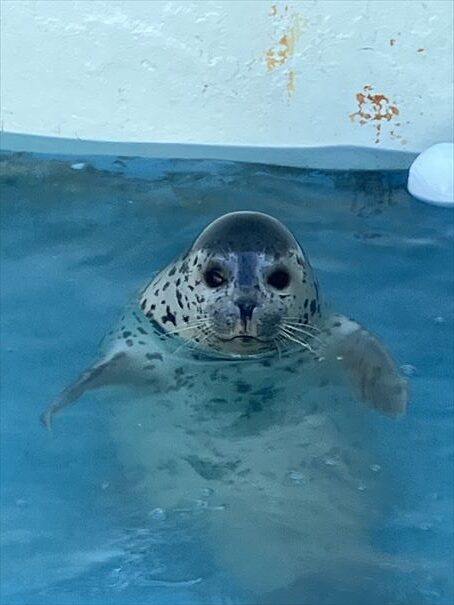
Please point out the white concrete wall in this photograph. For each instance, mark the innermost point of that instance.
(230, 72)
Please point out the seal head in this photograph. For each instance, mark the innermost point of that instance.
(246, 280)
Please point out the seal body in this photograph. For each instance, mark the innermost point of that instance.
(272, 454)
(246, 403)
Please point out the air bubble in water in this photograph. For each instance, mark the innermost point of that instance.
(159, 514)
(295, 476)
(201, 503)
(408, 369)
(331, 461)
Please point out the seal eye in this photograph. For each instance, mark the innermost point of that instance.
(279, 279)
(214, 278)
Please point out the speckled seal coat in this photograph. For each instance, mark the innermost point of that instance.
(242, 403)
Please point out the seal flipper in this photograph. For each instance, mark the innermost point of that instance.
(94, 377)
(369, 367)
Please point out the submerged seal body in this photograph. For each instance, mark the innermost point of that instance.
(242, 372)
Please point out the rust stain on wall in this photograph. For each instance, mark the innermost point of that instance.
(288, 32)
(280, 53)
(375, 109)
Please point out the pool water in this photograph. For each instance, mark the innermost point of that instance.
(78, 237)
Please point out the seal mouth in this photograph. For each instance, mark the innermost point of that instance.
(244, 339)
(243, 346)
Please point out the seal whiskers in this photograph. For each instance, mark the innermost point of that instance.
(289, 326)
(302, 343)
(297, 322)
(193, 326)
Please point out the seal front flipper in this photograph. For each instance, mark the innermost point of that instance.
(369, 367)
(97, 375)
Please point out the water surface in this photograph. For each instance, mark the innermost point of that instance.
(78, 237)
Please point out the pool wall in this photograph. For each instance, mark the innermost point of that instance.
(254, 80)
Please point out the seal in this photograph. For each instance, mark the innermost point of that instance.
(245, 379)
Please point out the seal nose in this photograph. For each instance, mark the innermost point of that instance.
(246, 308)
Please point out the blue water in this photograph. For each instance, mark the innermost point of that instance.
(78, 237)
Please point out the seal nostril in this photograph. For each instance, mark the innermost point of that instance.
(246, 309)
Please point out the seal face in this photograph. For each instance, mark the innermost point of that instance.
(244, 288)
